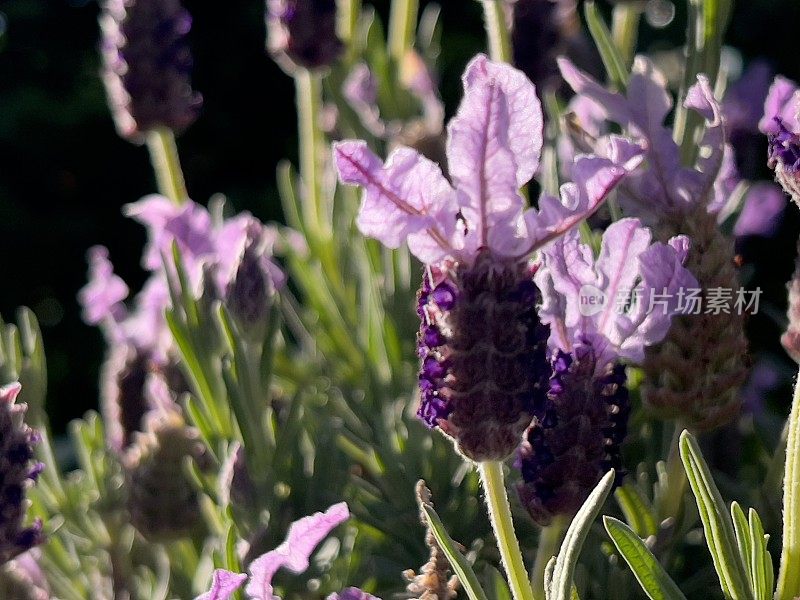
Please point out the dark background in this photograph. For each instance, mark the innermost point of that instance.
(64, 173)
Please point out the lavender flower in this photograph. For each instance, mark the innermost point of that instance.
(599, 312)
(18, 471)
(781, 123)
(162, 500)
(293, 554)
(481, 344)
(762, 211)
(302, 33)
(695, 374)
(147, 65)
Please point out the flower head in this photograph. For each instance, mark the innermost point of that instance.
(18, 471)
(147, 65)
(481, 345)
(302, 33)
(600, 312)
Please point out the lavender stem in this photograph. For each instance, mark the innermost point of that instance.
(166, 164)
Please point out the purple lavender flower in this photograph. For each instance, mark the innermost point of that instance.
(695, 374)
(781, 123)
(481, 343)
(293, 554)
(302, 33)
(18, 471)
(147, 65)
(599, 312)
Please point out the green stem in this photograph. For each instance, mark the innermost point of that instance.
(309, 101)
(402, 24)
(167, 164)
(625, 29)
(549, 544)
(789, 574)
(671, 499)
(499, 41)
(500, 517)
(348, 13)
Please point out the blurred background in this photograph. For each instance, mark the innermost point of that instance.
(64, 173)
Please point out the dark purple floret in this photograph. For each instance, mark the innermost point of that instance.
(576, 439)
(484, 369)
(18, 472)
(147, 66)
(784, 148)
(303, 33)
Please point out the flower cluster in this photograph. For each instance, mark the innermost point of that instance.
(781, 124)
(302, 33)
(484, 368)
(229, 261)
(18, 471)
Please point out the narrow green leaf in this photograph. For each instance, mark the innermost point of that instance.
(717, 523)
(459, 564)
(495, 584)
(567, 558)
(654, 580)
(762, 578)
(743, 540)
(789, 572)
(637, 511)
(612, 59)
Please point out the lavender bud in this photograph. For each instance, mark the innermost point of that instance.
(483, 353)
(302, 33)
(576, 439)
(18, 471)
(147, 65)
(250, 293)
(122, 393)
(163, 502)
(695, 374)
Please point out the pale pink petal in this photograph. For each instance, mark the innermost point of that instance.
(408, 196)
(783, 102)
(493, 148)
(102, 297)
(223, 585)
(294, 553)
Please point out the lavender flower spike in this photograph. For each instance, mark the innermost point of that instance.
(18, 471)
(147, 65)
(781, 123)
(481, 345)
(302, 33)
(599, 312)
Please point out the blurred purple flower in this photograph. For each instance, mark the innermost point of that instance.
(302, 33)
(102, 298)
(666, 187)
(762, 212)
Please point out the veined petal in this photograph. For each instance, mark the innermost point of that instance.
(593, 178)
(493, 146)
(406, 196)
(294, 553)
(700, 98)
(223, 585)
